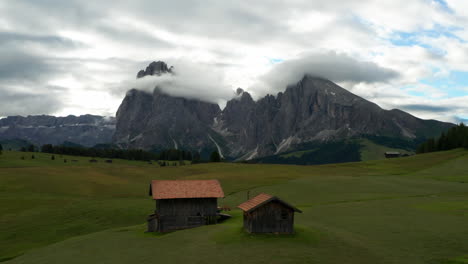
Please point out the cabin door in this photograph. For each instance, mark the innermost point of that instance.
(283, 221)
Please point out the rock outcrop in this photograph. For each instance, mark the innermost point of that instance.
(158, 121)
(154, 68)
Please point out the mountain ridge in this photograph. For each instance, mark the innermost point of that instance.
(310, 113)
(87, 130)
(311, 110)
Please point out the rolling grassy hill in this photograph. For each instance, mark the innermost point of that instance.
(407, 210)
(373, 151)
(352, 150)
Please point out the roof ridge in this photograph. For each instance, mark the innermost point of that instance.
(173, 189)
(258, 201)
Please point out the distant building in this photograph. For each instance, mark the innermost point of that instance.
(392, 154)
(183, 204)
(268, 214)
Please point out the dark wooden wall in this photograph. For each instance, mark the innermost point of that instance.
(152, 223)
(273, 217)
(176, 214)
(193, 206)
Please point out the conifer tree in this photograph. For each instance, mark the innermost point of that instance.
(215, 157)
(31, 148)
(196, 157)
(455, 137)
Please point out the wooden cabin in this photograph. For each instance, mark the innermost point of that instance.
(392, 154)
(183, 204)
(268, 214)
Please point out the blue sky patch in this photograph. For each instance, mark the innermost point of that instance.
(443, 5)
(415, 38)
(454, 85)
(275, 60)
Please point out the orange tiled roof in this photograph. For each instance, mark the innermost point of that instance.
(262, 199)
(186, 189)
(254, 202)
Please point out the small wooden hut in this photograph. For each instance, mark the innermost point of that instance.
(184, 204)
(392, 154)
(268, 214)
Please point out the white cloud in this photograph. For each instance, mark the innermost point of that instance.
(108, 41)
(189, 80)
(328, 65)
(431, 104)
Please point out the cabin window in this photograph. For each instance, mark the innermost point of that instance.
(284, 214)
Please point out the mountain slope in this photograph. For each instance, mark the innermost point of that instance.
(158, 121)
(313, 110)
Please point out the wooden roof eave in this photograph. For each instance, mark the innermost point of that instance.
(274, 198)
(290, 206)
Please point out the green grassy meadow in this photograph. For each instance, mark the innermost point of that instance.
(405, 210)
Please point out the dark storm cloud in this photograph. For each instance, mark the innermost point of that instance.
(25, 103)
(17, 66)
(34, 50)
(13, 38)
(224, 20)
(426, 108)
(208, 18)
(24, 75)
(245, 22)
(19, 62)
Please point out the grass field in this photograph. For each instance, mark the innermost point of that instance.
(406, 210)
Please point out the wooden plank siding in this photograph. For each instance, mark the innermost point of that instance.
(173, 214)
(152, 223)
(272, 217)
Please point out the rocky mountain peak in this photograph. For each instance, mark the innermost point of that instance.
(246, 97)
(243, 96)
(155, 68)
(313, 110)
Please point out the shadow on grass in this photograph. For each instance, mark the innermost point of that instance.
(3, 259)
(235, 233)
(459, 260)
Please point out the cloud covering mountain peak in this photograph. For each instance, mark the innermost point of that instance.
(206, 82)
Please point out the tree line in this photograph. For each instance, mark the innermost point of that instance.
(128, 154)
(455, 137)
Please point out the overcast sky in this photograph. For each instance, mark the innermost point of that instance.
(77, 56)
